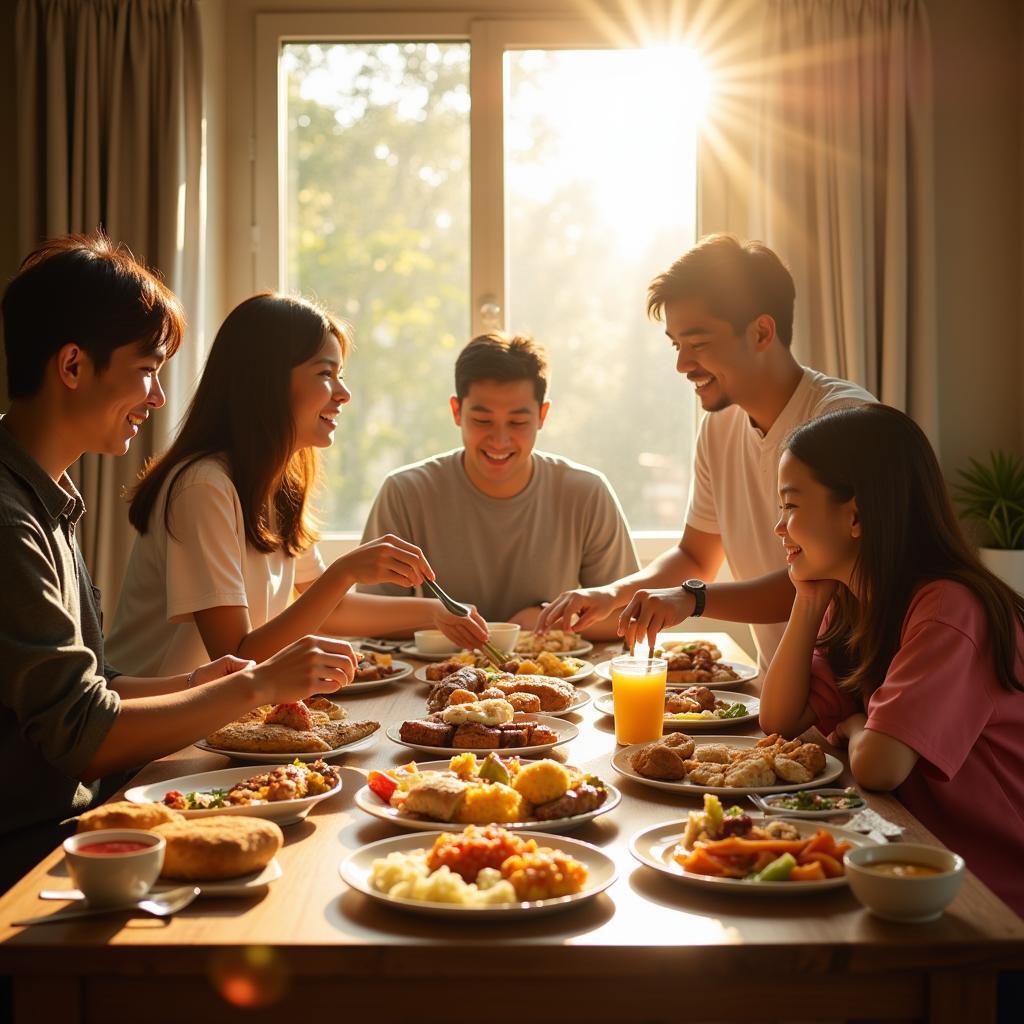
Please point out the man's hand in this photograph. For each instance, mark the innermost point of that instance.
(466, 631)
(651, 611)
(577, 609)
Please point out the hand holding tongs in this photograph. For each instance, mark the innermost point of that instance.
(490, 652)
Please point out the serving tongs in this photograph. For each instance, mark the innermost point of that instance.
(489, 651)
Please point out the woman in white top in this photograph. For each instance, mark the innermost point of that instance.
(225, 531)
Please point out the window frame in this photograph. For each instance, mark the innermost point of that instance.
(489, 38)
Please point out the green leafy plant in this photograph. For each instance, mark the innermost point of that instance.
(993, 493)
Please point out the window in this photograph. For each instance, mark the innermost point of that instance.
(544, 206)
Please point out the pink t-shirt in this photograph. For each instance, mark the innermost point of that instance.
(942, 698)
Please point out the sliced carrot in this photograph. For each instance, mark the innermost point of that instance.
(762, 860)
(735, 845)
(823, 842)
(832, 867)
(812, 872)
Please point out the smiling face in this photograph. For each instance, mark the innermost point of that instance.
(720, 363)
(499, 422)
(111, 405)
(821, 535)
(317, 394)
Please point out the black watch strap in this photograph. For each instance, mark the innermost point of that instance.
(699, 590)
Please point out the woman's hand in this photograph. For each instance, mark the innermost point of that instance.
(847, 730)
(816, 592)
(466, 631)
(312, 664)
(651, 611)
(218, 669)
(577, 609)
(388, 559)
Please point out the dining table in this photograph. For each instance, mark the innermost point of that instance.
(307, 948)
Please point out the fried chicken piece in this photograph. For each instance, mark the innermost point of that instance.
(811, 756)
(677, 703)
(791, 771)
(717, 753)
(706, 773)
(781, 830)
(702, 695)
(659, 761)
(528, 702)
(554, 694)
(754, 772)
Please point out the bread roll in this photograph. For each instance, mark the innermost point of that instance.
(125, 814)
(224, 846)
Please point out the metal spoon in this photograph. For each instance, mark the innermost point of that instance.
(161, 905)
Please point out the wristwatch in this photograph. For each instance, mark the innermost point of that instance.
(699, 589)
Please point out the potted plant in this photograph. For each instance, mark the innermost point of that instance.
(992, 494)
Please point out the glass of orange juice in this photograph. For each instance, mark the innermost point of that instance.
(638, 693)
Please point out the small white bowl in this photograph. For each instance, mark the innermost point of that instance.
(907, 899)
(504, 635)
(109, 879)
(433, 641)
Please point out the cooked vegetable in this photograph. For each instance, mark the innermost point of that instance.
(778, 871)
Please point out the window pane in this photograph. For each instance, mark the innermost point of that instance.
(600, 177)
(378, 231)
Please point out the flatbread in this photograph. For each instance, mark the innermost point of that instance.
(337, 734)
(260, 738)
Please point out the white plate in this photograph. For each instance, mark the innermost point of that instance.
(770, 808)
(414, 652)
(653, 847)
(368, 801)
(584, 648)
(620, 762)
(404, 671)
(584, 673)
(264, 758)
(606, 705)
(356, 867)
(745, 673)
(284, 812)
(566, 732)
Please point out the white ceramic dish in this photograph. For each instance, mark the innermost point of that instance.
(653, 847)
(433, 641)
(111, 879)
(284, 812)
(621, 763)
(404, 671)
(566, 732)
(606, 705)
(585, 672)
(769, 807)
(907, 900)
(355, 870)
(368, 801)
(411, 650)
(745, 673)
(264, 758)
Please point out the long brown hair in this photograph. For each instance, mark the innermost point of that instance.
(910, 536)
(242, 411)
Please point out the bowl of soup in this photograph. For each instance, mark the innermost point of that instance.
(114, 866)
(907, 882)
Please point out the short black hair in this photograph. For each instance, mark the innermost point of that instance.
(502, 357)
(738, 280)
(83, 289)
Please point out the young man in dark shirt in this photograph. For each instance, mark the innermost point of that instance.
(86, 331)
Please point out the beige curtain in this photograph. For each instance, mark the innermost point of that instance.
(826, 126)
(110, 135)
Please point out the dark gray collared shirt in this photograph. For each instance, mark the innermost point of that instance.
(55, 706)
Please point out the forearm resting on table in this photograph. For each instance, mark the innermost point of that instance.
(147, 728)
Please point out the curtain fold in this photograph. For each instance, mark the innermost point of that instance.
(829, 132)
(109, 135)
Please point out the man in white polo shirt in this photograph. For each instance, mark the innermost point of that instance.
(728, 312)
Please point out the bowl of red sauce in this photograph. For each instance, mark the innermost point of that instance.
(114, 865)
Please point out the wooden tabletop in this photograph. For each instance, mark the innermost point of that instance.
(822, 955)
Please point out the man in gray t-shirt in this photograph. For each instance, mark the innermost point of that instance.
(505, 527)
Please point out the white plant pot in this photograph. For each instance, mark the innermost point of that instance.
(1007, 565)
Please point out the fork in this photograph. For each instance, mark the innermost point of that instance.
(493, 655)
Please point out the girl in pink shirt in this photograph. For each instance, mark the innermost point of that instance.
(900, 643)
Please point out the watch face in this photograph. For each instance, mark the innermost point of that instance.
(695, 585)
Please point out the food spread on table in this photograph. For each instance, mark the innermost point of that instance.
(479, 867)
(283, 782)
(698, 703)
(525, 693)
(372, 666)
(695, 661)
(677, 757)
(492, 790)
(302, 727)
(555, 640)
(491, 723)
(545, 663)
